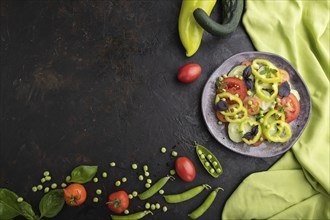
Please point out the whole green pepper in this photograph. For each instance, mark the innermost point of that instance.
(190, 31)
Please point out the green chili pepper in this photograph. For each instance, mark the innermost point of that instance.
(266, 91)
(250, 123)
(154, 188)
(176, 198)
(213, 163)
(189, 30)
(205, 205)
(266, 71)
(134, 216)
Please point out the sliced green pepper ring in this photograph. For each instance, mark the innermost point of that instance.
(270, 77)
(266, 91)
(273, 115)
(250, 123)
(238, 117)
(233, 109)
(284, 135)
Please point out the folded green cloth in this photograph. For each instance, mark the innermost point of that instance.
(298, 185)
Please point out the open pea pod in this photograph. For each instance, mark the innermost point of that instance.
(208, 160)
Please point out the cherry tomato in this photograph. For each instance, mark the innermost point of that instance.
(220, 116)
(185, 169)
(118, 201)
(252, 105)
(75, 194)
(284, 75)
(291, 106)
(189, 72)
(234, 86)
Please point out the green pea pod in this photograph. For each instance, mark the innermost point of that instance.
(234, 11)
(189, 30)
(134, 216)
(154, 188)
(176, 198)
(209, 161)
(205, 205)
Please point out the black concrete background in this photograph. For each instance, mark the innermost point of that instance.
(90, 82)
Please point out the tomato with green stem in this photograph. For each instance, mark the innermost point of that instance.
(118, 201)
(75, 194)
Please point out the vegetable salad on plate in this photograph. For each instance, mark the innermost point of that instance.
(258, 102)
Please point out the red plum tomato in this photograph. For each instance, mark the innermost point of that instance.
(189, 72)
(185, 169)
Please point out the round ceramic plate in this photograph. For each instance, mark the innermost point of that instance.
(266, 149)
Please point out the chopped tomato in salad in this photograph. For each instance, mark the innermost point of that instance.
(258, 103)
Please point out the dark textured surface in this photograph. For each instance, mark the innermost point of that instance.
(90, 82)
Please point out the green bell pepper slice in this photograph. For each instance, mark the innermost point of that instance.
(283, 136)
(266, 91)
(265, 71)
(232, 109)
(238, 117)
(250, 123)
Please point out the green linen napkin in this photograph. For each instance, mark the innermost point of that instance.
(298, 185)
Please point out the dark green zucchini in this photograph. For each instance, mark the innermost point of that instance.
(232, 11)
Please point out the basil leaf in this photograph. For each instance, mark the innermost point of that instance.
(10, 208)
(83, 174)
(51, 203)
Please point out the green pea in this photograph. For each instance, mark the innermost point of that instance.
(147, 185)
(126, 212)
(95, 179)
(219, 122)
(154, 188)
(130, 196)
(146, 173)
(98, 191)
(207, 164)
(63, 185)
(34, 189)
(157, 206)
(174, 153)
(95, 200)
(205, 205)
(20, 199)
(161, 192)
(147, 205)
(53, 186)
(152, 207)
(42, 180)
(134, 216)
(209, 156)
(202, 156)
(46, 190)
(204, 160)
(134, 193)
(134, 166)
(68, 178)
(46, 173)
(214, 163)
(149, 181)
(112, 164)
(199, 152)
(172, 172)
(163, 150)
(145, 168)
(212, 170)
(164, 209)
(218, 170)
(124, 179)
(141, 178)
(48, 178)
(117, 183)
(104, 175)
(39, 187)
(184, 196)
